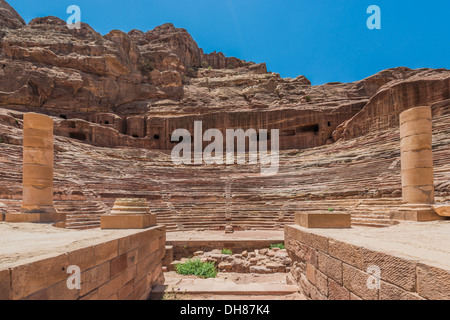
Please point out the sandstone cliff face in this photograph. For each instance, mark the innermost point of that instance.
(134, 89)
(169, 48)
(48, 68)
(423, 87)
(9, 18)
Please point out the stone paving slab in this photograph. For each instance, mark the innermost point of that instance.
(227, 285)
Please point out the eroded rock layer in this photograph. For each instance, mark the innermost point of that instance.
(116, 100)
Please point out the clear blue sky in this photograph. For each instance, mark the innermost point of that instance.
(325, 40)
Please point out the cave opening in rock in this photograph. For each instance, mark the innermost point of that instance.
(62, 116)
(106, 122)
(287, 133)
(78, 136)
(316, 130)
(308, 128)
(156, 137)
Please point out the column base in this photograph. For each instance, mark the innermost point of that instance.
(45, 214)
(417, 213)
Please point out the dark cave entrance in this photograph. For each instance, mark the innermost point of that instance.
(78, 136)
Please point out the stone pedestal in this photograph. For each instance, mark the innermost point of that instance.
(323, 220)
(417, 164)
(37, 205)
(129, 214)
(417, 212)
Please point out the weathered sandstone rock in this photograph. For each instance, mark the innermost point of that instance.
(407, 88)
(9, 18)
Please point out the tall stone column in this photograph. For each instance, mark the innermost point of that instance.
(416, 156)
(37, 198)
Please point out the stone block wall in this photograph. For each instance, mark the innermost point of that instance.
(328, 269)
(122, 269)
